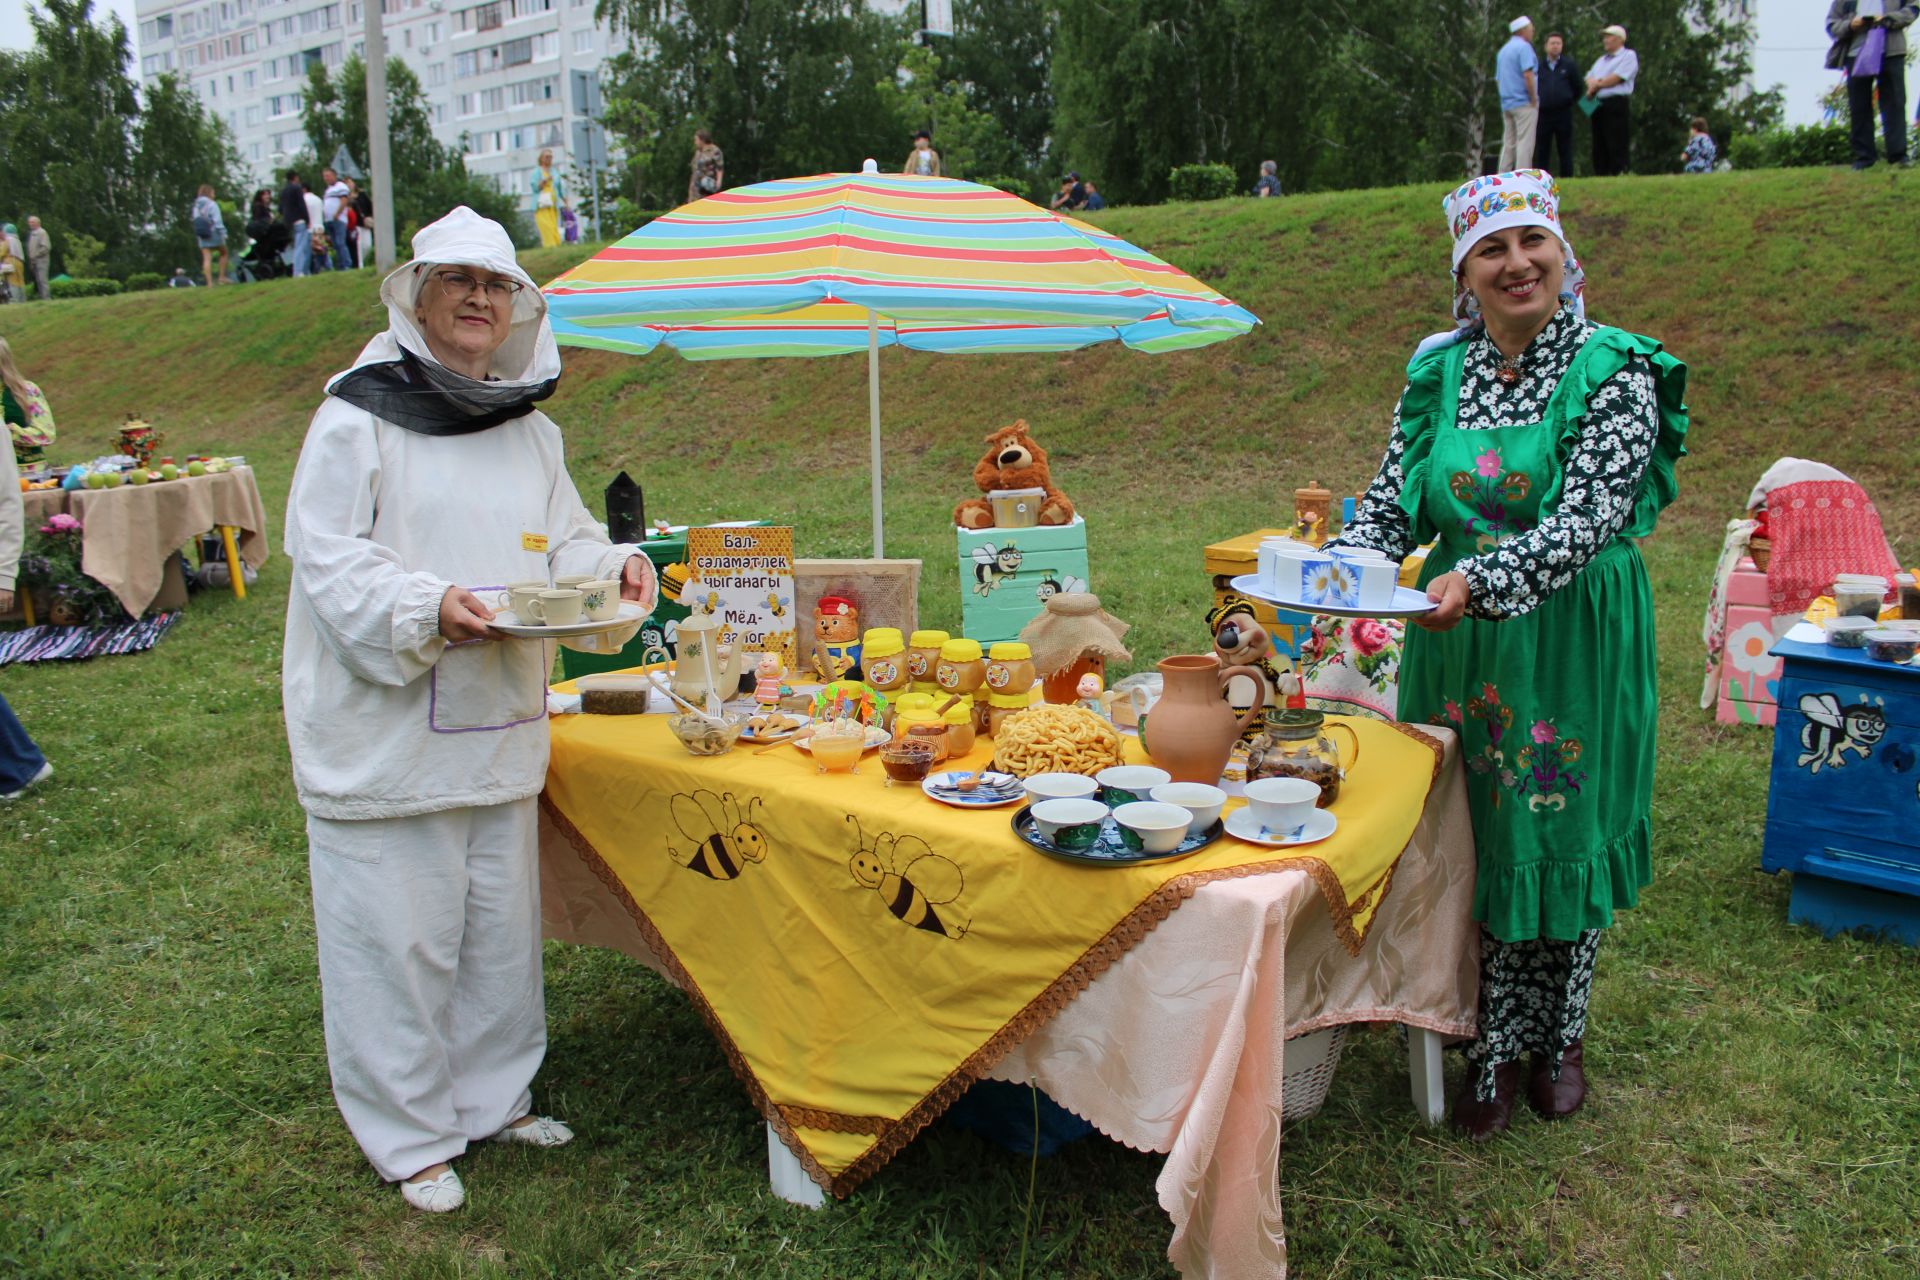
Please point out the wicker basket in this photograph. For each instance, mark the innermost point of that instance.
(1761, 549)
(1308, 1067)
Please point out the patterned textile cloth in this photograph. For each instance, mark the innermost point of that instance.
(49, 644)
(1713, 628)
(1351, 666)
(1533, 1000)
(1821, 528)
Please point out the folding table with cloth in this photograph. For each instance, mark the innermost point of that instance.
(864, 954)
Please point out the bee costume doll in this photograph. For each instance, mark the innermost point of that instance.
(1536, 446)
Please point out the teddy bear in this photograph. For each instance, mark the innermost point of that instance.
(1013, 460)
(1240, 640)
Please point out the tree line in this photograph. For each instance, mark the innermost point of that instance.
(1340, 93)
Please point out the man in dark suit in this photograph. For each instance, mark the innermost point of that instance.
(1560, 88)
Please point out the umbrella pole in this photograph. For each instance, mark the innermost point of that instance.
(873, 426)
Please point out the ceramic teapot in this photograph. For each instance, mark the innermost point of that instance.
(1293, 746)
(1191, 730)
(701, 671)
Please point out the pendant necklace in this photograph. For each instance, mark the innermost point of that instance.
(1508, 369)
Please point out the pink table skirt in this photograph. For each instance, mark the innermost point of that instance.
(1178, 1046)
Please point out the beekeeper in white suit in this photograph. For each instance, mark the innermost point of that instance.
(419, 734)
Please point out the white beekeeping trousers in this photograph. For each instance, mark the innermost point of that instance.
(429, 932)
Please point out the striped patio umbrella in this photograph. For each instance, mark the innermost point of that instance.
(838, 263)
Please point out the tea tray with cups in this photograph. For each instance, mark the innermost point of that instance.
(1405, 602)
(1241, 824)
(1110, 848)
(509, 623)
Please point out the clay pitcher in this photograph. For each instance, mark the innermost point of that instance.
(1192, 730)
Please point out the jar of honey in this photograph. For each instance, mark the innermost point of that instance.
(1010, 669)
(961, 669)
(960, 732)
(883, 651)
(912, 709)
(935, 736)
(1001, 705)
(923, 655)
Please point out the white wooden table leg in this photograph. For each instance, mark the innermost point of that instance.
(789, 1178)
(1428, 1074)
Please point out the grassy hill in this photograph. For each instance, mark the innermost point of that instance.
(166, 1098)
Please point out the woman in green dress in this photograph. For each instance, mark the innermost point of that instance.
(1534, 446)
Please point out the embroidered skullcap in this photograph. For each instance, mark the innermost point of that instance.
(1520, 23)
(1520, 198)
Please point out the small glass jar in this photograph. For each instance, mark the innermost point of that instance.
(935, 736)
(1009, 669)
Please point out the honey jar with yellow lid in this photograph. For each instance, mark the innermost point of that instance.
(923, 655)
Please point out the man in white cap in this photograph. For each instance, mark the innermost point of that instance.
(1609, 85)
(1515, 71)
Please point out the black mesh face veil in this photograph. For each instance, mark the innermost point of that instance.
(432, 400)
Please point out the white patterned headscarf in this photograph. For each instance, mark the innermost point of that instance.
(1477, 209)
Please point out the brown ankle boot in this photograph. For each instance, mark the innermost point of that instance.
(1481, 1120)
(1558, 1099)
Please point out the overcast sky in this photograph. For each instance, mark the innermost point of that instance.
(1787, 52)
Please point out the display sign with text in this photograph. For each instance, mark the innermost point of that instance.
(745, 577)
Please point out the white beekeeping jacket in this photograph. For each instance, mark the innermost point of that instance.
(384, 717)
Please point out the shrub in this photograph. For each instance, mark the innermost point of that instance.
(618, 218)
(1804, 146)
(71, 288)
(140, 281)
(81, 257)
(1202, 182)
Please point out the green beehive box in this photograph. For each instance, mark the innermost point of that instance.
(997, 596)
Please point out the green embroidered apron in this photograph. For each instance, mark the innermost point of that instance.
(1556, 707)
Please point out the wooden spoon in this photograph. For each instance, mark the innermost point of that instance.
(805, 731)
(971, 782)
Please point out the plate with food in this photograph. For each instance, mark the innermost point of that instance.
(993, 791)
(1045, 738)
(875, 736)
(773, 726)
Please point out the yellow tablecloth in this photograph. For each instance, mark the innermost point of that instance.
(854, 1009)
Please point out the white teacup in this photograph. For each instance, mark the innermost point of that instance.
(515, 595)
(575, 580)
(600, 599)
(1197, 798)
(1282, 804)
(1061, 786)
(559, 607)
(1377, 579)
(1126, 783)
(1153, 828)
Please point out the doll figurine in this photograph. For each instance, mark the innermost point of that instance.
(768, 673)
(1091, 694)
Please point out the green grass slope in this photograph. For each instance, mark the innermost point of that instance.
(165, 1093)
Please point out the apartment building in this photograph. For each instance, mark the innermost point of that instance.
(495, 74)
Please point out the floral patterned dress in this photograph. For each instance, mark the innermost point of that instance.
(1534, 491)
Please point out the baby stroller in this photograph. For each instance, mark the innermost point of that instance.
(266, 259)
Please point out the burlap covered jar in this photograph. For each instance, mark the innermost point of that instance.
(1071, 637)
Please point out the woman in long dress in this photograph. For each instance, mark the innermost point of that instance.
(549, 193)
(1535, 446)
(428, 481)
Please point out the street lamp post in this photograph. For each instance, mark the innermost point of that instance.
(379, 163)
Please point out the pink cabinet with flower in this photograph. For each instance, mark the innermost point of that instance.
(1749, 673)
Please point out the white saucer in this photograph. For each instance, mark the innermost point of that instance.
(507, 623)
(1241, 825)
(995, 790)
(1408, 602)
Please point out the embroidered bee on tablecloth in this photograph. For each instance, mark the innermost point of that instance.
(723, 836)
(918, 886)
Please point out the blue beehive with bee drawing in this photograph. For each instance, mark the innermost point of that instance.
(1843, 808)
(1006, 575)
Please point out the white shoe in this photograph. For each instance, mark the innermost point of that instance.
(545, 1131)
(440, 1194)
(46, 771)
